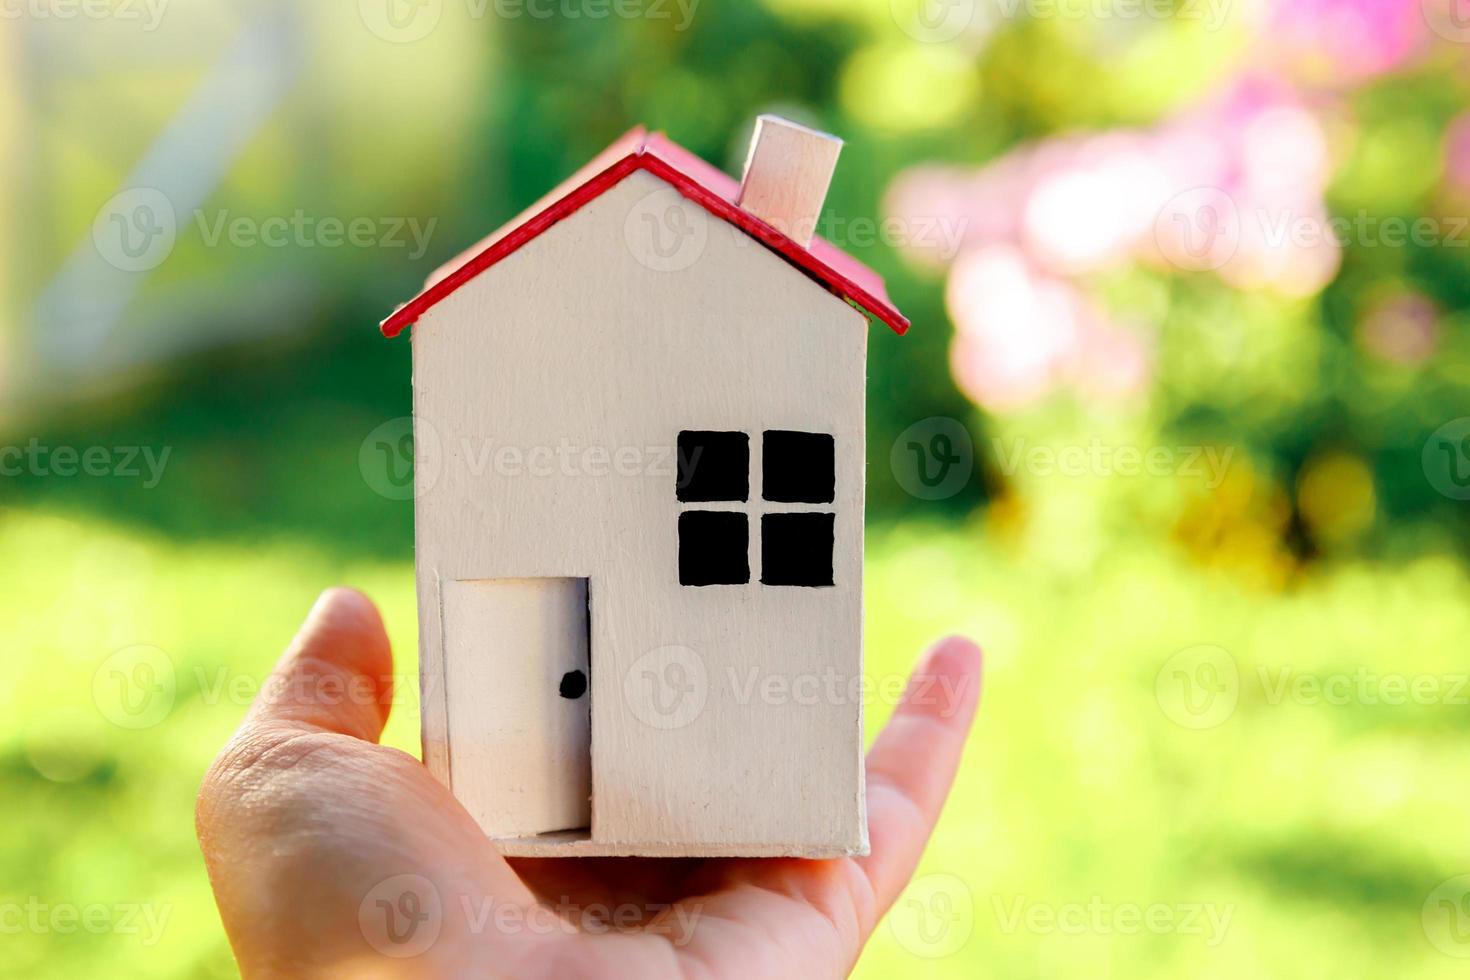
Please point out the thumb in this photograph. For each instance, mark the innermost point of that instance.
(330, 855)
(337, 674)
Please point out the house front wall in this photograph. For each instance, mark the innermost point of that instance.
(549, 393)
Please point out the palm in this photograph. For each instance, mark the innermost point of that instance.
(332, 855)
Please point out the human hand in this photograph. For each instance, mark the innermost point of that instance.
(316, 838)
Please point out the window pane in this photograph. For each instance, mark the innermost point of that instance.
(713, 548)
(796, 549)
(713, 466)
(797, 467)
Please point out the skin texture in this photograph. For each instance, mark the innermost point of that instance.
(331, 855)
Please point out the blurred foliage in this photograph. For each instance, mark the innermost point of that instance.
(1324, 544)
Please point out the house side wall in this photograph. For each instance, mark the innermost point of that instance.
(548, 395)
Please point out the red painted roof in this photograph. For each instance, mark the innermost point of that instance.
(706, 185)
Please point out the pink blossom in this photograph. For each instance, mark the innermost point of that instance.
(1021, 333)
(1337, 42)
(1403, 328)
(1457, 153)
(1233, 188)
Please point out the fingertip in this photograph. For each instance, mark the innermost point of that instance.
(337, 674)
(345, 627)
(345, 605)
(947, 682)
(955, 655)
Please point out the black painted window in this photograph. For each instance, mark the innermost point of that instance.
(714, 547)
(798, 469)
(796, 549)
(713, 466)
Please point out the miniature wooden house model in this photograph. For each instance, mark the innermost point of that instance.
(639, 463)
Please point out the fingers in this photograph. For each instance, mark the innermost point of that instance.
(799, 918)
(913, 763)
(336, 676)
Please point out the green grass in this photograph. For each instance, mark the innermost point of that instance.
(1313, 833)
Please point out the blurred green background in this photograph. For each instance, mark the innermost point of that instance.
(1189, 293)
